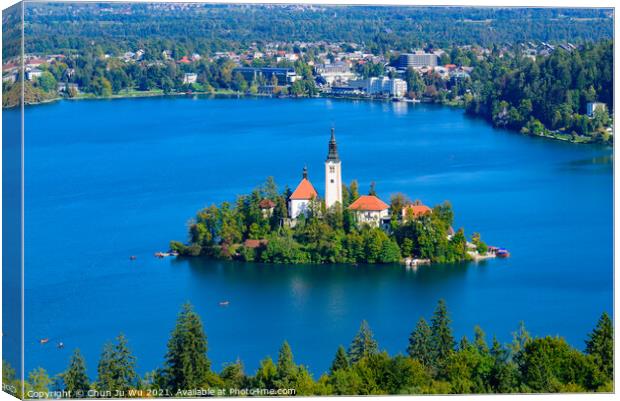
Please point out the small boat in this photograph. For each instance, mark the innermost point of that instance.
(132, 257)
(60, 345)
(224, 303)
(161, 254)
(44, 341)
(502, 253)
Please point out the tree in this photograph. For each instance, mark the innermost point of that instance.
(266, 375)
(286, 368)
(116, 369)
(600, 344)
(354, 190)
(549, 364)
(39, 381)
(187, 365)
(47, 82)
(421, 343)
(340, 361)
(75, 378)
(373, 190)
(363, 344)
(441, 334)
(233, 375)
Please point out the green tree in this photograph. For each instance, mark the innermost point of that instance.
(340, 360)
(286, 368)
(363, 344)
(600, 344)
(549, 364)
(441, 334)
(187, 365)
(117, 367)
(39, 381)
(75, 378)
(47, 82)
(421, 344)
(266, 375)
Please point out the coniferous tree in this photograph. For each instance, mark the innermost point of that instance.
(503, 377)
(266, 375)
(117, 367)
(75, 378)
(421, 344)
(480, 341)
(233, 375)
(441, 334)
(363, 344)
(600, 345)
(286, 368)
(340, 360)
(187, 365)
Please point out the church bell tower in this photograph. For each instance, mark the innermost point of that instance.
(333, 175)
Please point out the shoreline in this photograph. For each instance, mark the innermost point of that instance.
(548, 134)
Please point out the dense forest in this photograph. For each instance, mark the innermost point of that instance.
(323, 235)
(432, 363)
(552, 92)
(206, 28)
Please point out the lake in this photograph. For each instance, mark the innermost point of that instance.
(108, 179)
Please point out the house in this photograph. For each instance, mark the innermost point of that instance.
(267, 206)
(299, 201)
(593, 107)
(33, 73)
(10, 78)
(369, 209)
(190, 78)
(255, 243)
(64, 87)
(414, 211)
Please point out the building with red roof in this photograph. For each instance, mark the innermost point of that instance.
(299, 201)
(414, 211)
(369, 209)
(266, 207)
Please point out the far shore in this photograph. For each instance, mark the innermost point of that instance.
(227, 92)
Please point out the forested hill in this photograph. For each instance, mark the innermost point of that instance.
(206, 28)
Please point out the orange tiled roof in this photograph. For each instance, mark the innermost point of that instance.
(266, 204)
(416, 210)
(369, 203)
(254, 243)
(304, 191)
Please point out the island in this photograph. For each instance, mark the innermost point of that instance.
(295, 227)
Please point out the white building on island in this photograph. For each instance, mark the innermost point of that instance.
(368, 209)
(299, 201)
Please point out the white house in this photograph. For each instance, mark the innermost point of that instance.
(592, 107)
(369, 209)
(33, 73)
(190, 78)
(299, 201)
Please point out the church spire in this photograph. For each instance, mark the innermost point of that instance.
(332, 154)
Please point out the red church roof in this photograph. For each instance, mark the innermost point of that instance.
(368, 203)
(304, 191)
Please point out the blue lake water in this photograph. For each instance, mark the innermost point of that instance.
(108, 179)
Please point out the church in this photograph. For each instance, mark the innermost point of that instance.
(299, 201)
